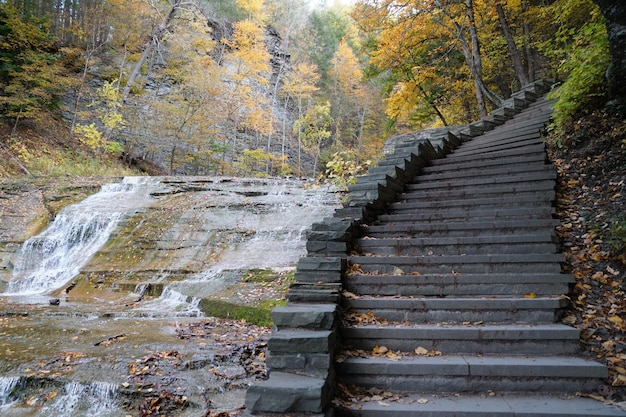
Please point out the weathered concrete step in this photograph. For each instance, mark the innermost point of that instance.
(454, 309)
(503, 154)
(542, 212)
(445, 164)
(427, 183)
(507, 134)
(489, 171)
(284, 392)
(514, 339)
(480, 202)
(462, 229)
(542, 374)
(436, 247)
(520, 189)
(481, 405)
(384, 266)
(486, 148)
(458, 284)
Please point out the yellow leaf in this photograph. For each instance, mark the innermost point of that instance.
(421, 351)
(530, 295)
(569, 319)
(620, 370)
(619, 381)
(380, 350)
(616, 320)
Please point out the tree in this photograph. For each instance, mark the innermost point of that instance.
(155, 38)
(315, 128)
(301, 84)
(244, 99)
(614, 12)
(522, 77)
(581, 55)
(349, 98)
(30, 77)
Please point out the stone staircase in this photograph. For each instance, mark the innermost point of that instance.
(437, 289)
(453, 300)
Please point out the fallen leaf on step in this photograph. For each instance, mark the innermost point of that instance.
(421, 351)
(393, 356)
(425, 352)
(383, 404)
(379, 350)
(569, 319)
(422, 401)
(530, 295)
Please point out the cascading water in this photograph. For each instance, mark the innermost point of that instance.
(8, 384)
(49, 260)
(94, 399)
(263, 223)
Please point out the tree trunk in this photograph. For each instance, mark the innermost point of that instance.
(476, 59)
(154, 40)
(614, 12)
(433, 105)
(472, 56)
(513, 52)
(528, 49)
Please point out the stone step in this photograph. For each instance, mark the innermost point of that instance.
(443, 214)
(532, 177)
(501, 154)
(469, 373)
(446, 165)
(450, 191)
(454, 309)
(436, 247)
(479, 405)
(486, 148)
(506, 135)
(489, 171)
(285, 391)
(458, 284)
(483, 227)
(517, 339)
(532, 200)
(514, 128)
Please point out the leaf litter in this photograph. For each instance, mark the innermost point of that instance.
(591, 206)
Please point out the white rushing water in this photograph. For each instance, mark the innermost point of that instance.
(8, 384)
(49, 260)
(94, 399)
(257, 224)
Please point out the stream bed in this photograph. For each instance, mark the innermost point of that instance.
(151, 314)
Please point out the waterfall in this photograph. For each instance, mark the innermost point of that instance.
(49, 260)
(94, 399)
(252, 224)
(8, 384)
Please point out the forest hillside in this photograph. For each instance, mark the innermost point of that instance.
(271, 87)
